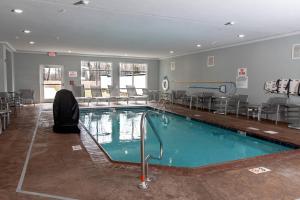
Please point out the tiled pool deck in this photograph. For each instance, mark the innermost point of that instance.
(54, 170)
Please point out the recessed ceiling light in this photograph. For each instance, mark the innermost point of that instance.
(69, 51)
(229, 23)
(241, 35)
(26, 31)
(31, 42)
(18, 11)
(171, 52)
(198, 45)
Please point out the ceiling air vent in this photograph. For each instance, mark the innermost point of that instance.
(82, 2)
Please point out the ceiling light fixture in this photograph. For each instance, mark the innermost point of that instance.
(198, 45)
(26, 31)
(32, 42)
(17, 11)
(69, 51)
(241, 35)
(229, 23)
(171, 52)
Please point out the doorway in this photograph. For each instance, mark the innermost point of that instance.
(51, 81)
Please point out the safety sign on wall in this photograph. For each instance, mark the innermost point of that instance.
(72, 74)
(242, 78)
(242, 72)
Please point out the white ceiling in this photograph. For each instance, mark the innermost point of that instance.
(143, 28)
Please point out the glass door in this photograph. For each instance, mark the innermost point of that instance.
(51, 77)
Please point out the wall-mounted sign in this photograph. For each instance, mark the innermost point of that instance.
(52, 54)
(72, 74)
(242, 82)
(242, 72)
(172, 66)
(210, 61)
(296, 51)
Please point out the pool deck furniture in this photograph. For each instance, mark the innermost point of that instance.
(274, 105)
(132, 94)
(207, 100)
(293, 116)
(79, 94)
(4, 115)
(235, 104)
(254, 111)
(98, 96)
(12, 98)
(27, 95)
(154, 95)
(180, 97)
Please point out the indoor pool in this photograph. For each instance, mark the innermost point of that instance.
(186, 143)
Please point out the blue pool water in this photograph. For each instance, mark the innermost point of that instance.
(187, 143)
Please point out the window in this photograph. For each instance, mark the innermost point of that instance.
(95, 73)
(133, 74)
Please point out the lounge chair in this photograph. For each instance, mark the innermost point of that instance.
(79, 94)
(132, 94)
(97, 95)
(274, 105)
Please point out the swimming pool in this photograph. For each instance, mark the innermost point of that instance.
(186, 142)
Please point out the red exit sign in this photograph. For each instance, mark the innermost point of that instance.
(52, 54)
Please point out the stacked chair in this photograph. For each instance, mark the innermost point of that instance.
(180, 97)
(235, 104)
(4, 114)
(274, 106)
(26, 95)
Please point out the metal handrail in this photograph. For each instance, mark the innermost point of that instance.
(144, 159)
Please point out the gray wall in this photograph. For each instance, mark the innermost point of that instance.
(6, 68)
(2, 70)
(27, 69)
(9, 71)
(267, 60)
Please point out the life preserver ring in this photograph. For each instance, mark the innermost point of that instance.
(165, 84)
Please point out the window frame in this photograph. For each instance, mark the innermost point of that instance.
(132, 81)
(111, 70)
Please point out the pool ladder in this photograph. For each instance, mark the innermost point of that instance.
(145, 158)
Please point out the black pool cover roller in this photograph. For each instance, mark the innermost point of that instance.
(65, 112)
